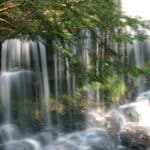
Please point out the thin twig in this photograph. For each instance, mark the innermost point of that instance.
(10, 7)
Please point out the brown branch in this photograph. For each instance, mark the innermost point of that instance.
(10, 7)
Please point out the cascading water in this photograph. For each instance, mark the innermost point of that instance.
(25, 95)
(98, 36)
(138, 55)
(25, 98)
(24, 92)
(139, 52)
(137, 111)
(74, 49)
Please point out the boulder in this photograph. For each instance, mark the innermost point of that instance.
(135, 137)
(113, 123)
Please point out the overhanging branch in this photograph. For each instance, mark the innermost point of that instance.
(10, 7)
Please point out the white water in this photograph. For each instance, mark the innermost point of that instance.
(90, 139)
(104, 128)
(98, 128)
(24, 76)
(74, 82)
(137, 111)
(24, 86)
(45, 84)
(56, 76)
(138, 55)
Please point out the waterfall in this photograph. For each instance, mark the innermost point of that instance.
(25, 96)
(137, 111)
(98, 35)
(56, 76)
(45, 83)
(138, 55)
(24, 87)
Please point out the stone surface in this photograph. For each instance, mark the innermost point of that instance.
(113, 123)
(135, 137)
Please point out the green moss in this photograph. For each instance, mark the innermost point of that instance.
(115, 87)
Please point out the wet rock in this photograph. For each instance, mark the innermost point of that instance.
(90, 139)
(135, 137)
(1, 147)
(121, 147)
(66, 146)
(131, 114)
(100, 141)
(19, 145)
(113, 122)
(62, 146)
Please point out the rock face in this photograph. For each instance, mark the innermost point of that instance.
(135, 137)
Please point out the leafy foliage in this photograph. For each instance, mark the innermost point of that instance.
(61, 19)
(115, 88)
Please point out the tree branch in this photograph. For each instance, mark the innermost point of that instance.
(10, 7)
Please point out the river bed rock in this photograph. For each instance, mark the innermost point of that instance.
(135, 137)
